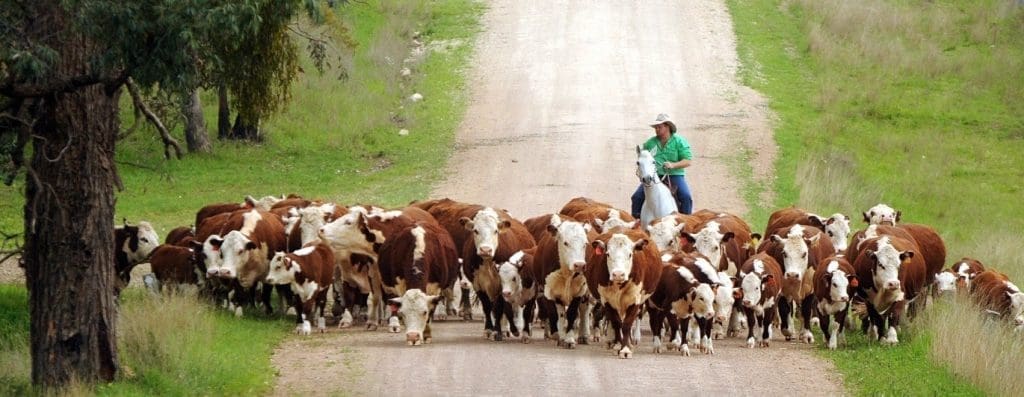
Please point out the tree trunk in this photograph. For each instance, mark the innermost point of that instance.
(223, 113)
(195, 125)
(69, 223)
(245, 130)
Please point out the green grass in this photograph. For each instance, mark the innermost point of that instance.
(914, 104)
(337, 140)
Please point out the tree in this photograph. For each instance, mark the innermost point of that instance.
(63, 64)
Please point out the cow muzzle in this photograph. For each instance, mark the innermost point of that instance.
(226, 273)
(618, 276)
(892, 285)
(748, 303)
(485, 251)
(578, 266)
(413, 338)
(793, 275)
(507, 295)
(843, 299)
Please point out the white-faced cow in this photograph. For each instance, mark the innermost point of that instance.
(890, 273)
(679, 298)
(759, 291)
(559, 263)
(882, 214)
(725, 240)
(624, 270)
(519, 290)
(1000, 297)
(799, 249)
(834, 285)
(250, 239)
(837, 226)
(666, 232)
(132, 245)
(958, 277)
(309, 272)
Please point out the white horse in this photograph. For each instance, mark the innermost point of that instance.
(658, 200)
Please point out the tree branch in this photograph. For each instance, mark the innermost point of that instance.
(169, 141)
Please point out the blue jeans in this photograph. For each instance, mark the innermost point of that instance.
(684, 202)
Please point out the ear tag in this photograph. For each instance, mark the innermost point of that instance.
(854, 283)
(598, 250)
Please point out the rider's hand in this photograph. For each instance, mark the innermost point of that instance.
(667, 165)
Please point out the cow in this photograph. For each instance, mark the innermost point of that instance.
(538, 225)
(799, 249)
(602, 216)
(247, 241)
(679, 297)
(724, 301)
(309, 272)
(890, 274)
(836, 226)
(181, 236)
(994, 292)
(759, 291)
(132, 245)
(559, 265)
(519, 290)
(176, 265)
(933, 249)
(957, 277)
(834, 284)
(415, 265)
(624, 270)
(221, 208)
(882, 214)
(666, 231)
(725, 240)
(266, 203)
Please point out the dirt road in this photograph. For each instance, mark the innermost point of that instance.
(561, 94)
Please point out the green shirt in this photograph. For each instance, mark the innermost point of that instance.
(674, 150)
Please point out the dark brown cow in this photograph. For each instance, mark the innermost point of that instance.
(624, 270)
(220, 208)
(834, 284)
(891, 274)
(174, 265)
(759, 291)
(799, 249)
(679, 297)
(416, 264)
(994, 292)
(181, 236)
(309, 273)
(933, 249)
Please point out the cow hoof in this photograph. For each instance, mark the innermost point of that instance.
(765, 343)
(750, 343)
(428, 340)
(684, 350)
(371, 327)
(304, 329)
(832, 345)
(815, 322)
(583, 340)
(657, 349)
(595, 338)
(807, 337)
(788, 333)
(499, 336)
(526, 339)
(625, 353)
(344, 324)
(568, 343)
(238, 312)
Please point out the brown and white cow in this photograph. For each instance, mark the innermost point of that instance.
(725, 240)
(724, 300)
(175, 265)
(416, 264)
(1000, 297)
(603, 217)
(624, 270)
(132, 245)
(519, 290)
(679, 298)
(891, 274)
(309, 272)
(181, 236)
(882, 214)
(559, 265)
(799, 249)
(222, 208)
(933, 249)
(759, 292)
(250, 240)
(958, 277)
(538, 225)
(836, 226)
(834, 284)
(666, 231)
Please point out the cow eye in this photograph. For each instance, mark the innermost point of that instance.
(803, 255)
(424, 312)
(830, 234)
(145, 240)
(565, 243)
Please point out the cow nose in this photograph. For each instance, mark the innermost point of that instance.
(792, 275)
(412, 337)
(269, 280)
(844, 298)
(578, 266)
(747, 303)
(618, 275)
(212, 271)
(892, 284)
(507, 294)
(227, 273)
(720, 318)
(485, 250)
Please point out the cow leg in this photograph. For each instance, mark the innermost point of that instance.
(876, 322)
(321, 306)
(340, 305)
(510, 310)
(785, 314)
(569, 339)
(684, 329)
(807, 312)
(488, 307)
(673, 331)
(449, 303)
(657, 321)
(346, 311)
(825, 322)
(895, 314)
(706, 343)
(267, 293)
(616, 322)
(766, 334)
(841, 323)
(751, 323)
(585, 316)
(628, 321)
(466, 304)
(597, 321)
(549, 312)
(526, 314)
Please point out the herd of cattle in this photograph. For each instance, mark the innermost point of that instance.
(581, 270)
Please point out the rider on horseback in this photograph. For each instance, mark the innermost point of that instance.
(672, 155)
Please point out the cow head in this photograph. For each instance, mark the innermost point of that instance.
(352, 233)
(263, 204)
(619, 255)
(237, 250)
(415, 307)
(837, 227)
(313, 218)
(794, 251)
(882, 214)
(665, 232)
(282, 270)
(886, 273)
(509, 273)
(572, 239)
(946, 283)
(614, 220)
(702, 300)
(839, 282)
(752, 285)
(139, 241)
(485, 226)
(211, 253)
(709, 240)
(725, 298)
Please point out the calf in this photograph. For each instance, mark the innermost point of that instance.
(724, 301)
(833, 286)
(890, 273)
(416, 264)
(997, 295)
(559, 265)
(759, 290)
(680, 293)
(519, 289)
(309, 272)
(957, 277)
(250, 240)
(624, 271)
(175, 265)
(132, 245)
(799, 249)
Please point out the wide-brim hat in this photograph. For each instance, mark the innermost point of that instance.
(664, 119)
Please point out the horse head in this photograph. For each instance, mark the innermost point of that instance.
(645, 167)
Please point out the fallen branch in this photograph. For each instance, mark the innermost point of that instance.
(169, 141)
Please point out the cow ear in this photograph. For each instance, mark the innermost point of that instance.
(693, 294)
(728, 236)
(599, 247)
(639, 245)
(714, 287)
(814, 239)
(899, 216)
(867, 217)
(216, 242)
(552, 229)
(396, 302)
(689, 237)
(505, 224)
(466, 223)
(195, 245)
(768, 279)
(776, 238)
(737, 293)
(250, 245)
(906, 255)
(817, 221)
(250, 202)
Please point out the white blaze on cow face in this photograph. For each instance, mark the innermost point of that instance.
(665, 234)
(945, 283)
(724, 299)
(882, 214)
(571, 238)
(751, 286)
(708, 241)
(508, 272)
(313, 218)
(415, 308)
(485, 226)
(794, 252)
(237, 250)
(839, 283)
(838, 229)
(1016, 305)
(887, 269)
(345, 233)
(282, 270)
(619, 251)
(702, 301)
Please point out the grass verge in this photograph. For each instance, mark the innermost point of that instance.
(915, 104)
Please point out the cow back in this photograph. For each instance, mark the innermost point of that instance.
(672, 286)
(436, 263)
(932, 247)
(858, 239)
(989, 290)
(218, 208)
(317, 265)
(178, 235)
(577, 204)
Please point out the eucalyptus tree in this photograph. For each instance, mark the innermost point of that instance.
(63, 64)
